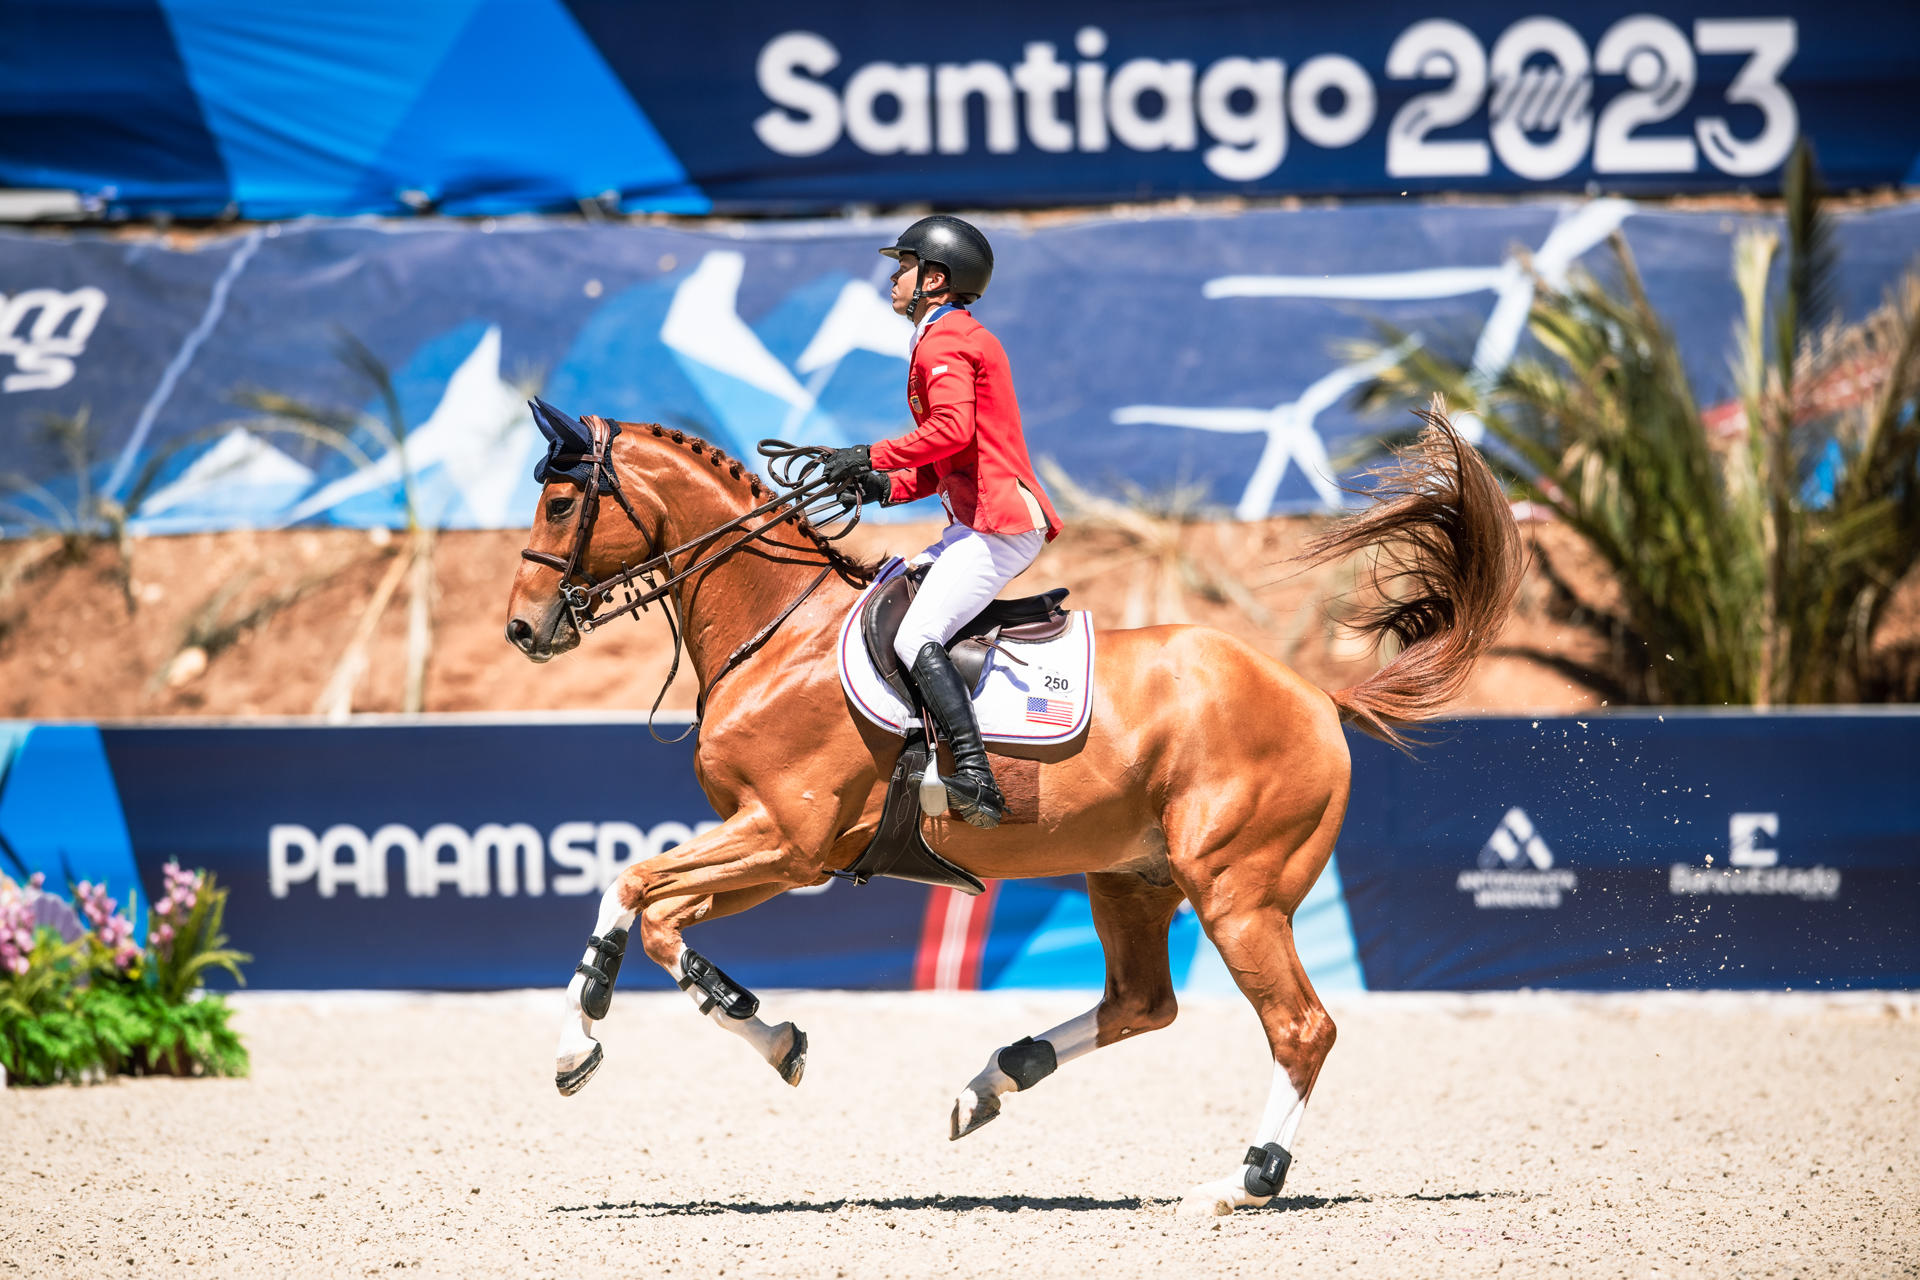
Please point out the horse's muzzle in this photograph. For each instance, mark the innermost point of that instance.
(520, 636)
(560, 636)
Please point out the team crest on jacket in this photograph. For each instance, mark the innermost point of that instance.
(913, 398)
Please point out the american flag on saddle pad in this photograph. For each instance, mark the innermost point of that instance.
(1050, 711)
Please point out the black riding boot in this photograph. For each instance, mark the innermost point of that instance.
(971, 790)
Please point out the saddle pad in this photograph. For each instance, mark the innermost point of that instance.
(1047, 700)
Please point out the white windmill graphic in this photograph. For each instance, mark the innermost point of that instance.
(1291, 437)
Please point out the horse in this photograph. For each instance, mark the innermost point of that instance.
(1173, 793)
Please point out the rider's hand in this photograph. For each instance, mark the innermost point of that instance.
(875, 486)
(845, 464)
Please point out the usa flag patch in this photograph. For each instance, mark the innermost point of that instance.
(1050, 711)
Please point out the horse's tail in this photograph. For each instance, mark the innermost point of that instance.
(1448, 563)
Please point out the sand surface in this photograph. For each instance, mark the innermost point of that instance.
(1529, 1135)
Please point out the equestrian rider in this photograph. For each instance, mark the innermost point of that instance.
(966, 446)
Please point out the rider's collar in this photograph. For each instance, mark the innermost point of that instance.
(927, 320)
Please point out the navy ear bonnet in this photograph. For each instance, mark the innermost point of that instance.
(569, 445)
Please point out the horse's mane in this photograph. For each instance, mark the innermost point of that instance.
(851, 567)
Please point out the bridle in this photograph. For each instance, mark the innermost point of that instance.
(809, 498)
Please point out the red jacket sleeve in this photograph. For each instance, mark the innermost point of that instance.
(947, 427)
(909, 485)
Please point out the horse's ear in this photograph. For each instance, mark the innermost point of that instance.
(567, 433)
(568, 440)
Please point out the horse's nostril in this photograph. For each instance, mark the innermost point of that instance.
(520, 633)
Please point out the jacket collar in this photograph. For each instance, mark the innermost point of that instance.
(927, 321)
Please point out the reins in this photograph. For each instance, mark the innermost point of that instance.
(809, 499)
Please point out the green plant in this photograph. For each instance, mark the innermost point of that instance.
(190, 1036)
(389, 428)
(44, 1038)
(186, 1028)
(1754, 557)
(97, 1002)
(184, 940)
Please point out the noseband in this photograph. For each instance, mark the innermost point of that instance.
(809, 497)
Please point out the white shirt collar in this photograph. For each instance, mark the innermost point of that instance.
(926, 321)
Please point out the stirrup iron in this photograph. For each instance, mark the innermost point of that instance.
(933, 787)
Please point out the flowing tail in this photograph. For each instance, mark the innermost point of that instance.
(1448, 564)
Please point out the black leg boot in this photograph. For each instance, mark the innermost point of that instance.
(971, 791)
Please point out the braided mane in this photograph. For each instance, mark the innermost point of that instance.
(852, 568)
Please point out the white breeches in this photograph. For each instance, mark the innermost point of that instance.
(969, 568)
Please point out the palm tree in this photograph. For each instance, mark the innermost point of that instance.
(1755, 553)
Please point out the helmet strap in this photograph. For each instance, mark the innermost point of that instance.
(919, 291)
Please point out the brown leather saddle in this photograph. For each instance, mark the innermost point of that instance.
(898, 850)
(1028, 620)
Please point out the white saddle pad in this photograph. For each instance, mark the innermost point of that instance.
(1046, 700)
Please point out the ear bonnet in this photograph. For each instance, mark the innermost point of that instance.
(569, 453)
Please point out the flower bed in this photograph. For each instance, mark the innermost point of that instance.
(79, 1000)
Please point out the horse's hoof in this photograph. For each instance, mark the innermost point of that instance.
(794, 1065)
(1205, 1202)
(572, 1082)
(970, 1111)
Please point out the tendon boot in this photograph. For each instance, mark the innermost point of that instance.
(971, 790)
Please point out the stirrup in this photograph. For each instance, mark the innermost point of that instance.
(977, 806)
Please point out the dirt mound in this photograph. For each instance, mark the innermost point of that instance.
(248, 624)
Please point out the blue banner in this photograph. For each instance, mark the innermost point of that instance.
(495, 106)
(1624, 852)
(1640, 850)
(1208, 352)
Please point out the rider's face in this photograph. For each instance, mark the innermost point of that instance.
(902, 278)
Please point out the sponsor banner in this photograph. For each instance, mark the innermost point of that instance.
(1634, 851)
(1640, 851)
(490, 106)
(1208, 354)
(463, 855)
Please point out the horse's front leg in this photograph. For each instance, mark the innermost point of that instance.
(736, 865)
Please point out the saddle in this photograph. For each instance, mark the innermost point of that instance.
(898, 850)
(1030, 620)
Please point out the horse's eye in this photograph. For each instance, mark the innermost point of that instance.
(559, 508)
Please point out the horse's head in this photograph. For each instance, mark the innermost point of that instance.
(570, 544)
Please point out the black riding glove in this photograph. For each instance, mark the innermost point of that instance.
(876, 486)
(845, 464)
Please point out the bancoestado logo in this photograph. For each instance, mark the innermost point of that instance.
(1516, 869)
(1753, 867)
(1537, 84)
(492, 859)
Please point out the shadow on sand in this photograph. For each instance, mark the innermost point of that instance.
(968, 1204)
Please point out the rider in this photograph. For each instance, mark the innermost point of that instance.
(966, 446)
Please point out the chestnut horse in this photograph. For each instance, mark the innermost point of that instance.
(1210, 772)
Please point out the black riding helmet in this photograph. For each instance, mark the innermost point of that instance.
(954, 246)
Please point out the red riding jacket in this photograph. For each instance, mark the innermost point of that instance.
(966, 443)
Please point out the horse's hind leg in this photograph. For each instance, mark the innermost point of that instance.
(1131, 916)
(1300, 1033)
(1245, 900)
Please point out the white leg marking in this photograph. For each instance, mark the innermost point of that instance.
(1279, 1123)
(982, 1095)
(576, 1028)
(771, 1043)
